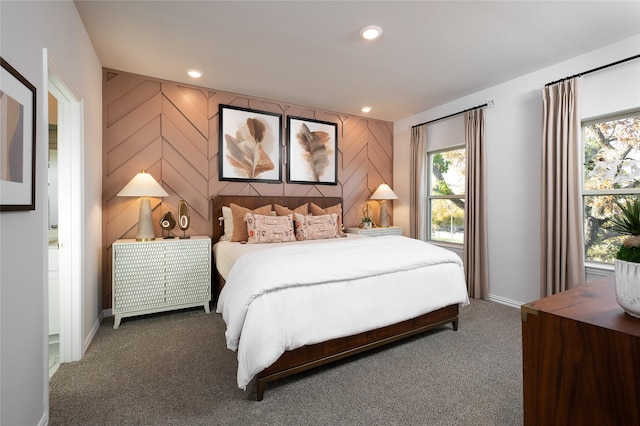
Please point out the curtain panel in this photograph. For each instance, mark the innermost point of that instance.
(418, 171)
(475, 253)
(562, 259)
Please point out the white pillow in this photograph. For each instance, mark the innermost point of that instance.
(227, 218)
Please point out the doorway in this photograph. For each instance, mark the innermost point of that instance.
(52, 229)
(70, 223)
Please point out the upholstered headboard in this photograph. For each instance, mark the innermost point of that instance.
(253, 202)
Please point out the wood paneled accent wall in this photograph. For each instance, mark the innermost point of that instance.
(171, 130)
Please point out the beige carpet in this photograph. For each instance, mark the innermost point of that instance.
(173, 369)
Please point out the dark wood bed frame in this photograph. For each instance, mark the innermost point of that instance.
(311, 356)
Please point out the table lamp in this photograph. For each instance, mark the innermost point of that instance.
(144, 185)
(382, 194)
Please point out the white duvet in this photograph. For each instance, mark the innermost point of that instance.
(285, 297)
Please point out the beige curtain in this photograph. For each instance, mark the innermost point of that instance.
(561, 258)
(418, 170)
(476, 264)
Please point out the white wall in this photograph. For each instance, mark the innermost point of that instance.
(513, 135)
(26, 28)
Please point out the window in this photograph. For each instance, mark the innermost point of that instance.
(611, 172)
(446, 198)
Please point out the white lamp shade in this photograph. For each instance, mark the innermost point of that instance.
(143, 185)
(384, 193)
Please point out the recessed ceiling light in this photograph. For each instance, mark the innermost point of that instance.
(194, 73)
(371, 32)
(366, 109)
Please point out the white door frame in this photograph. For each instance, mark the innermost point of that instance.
(70, 212)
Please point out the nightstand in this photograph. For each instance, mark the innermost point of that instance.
(160, 275)
(376, 232)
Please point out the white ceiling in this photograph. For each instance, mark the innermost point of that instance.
(310, 53)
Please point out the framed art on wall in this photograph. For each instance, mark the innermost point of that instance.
(250, 145)
(17, 140)
(312, 151)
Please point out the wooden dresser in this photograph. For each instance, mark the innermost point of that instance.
(581, 359)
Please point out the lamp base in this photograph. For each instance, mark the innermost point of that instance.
(145, 223)
(384, 215)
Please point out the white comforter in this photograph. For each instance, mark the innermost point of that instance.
(290, 296)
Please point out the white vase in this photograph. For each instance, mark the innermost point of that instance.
(628, 286)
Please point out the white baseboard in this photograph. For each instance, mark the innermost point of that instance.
(505, 301)
(92, 333)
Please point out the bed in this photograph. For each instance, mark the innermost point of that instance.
(286, 313)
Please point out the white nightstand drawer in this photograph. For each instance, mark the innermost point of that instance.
(376, 232)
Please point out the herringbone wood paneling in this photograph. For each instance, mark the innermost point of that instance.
(171, 131)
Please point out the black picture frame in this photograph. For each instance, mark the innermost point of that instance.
(18, 139)
(244, 134)
(304, 137)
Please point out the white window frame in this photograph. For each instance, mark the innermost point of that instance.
(431, 197)
(602, 192)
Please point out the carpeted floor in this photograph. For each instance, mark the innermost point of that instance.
(174, 369)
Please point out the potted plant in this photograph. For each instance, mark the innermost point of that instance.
(627, 262)
(367, 222)
(367, 218)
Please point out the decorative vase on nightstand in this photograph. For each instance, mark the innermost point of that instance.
(184, 217)
(628, 286)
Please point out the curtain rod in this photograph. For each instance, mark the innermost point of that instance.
(594, 70)
(488, 104)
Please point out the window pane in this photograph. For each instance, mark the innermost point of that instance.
(612, 154)
(448, 172)
(447, 220)
(600, 243)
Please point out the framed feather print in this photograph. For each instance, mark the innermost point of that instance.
(312, 151)
(250, 145)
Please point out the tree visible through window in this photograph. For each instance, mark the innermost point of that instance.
(611, 172)
(446, 195)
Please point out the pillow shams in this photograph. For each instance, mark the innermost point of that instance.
(239, 225)
(283, 211)
(310, 227)
(269, 229)
(316, 210)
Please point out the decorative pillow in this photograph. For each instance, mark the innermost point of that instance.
(283, 211)
(337, 209)
(269, 229)
(310, 227)
(239, 225)
(227, 221)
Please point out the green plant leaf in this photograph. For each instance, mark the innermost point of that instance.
(629, 254)
(628, 223)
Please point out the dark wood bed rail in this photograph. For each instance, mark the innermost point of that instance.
(311, 356)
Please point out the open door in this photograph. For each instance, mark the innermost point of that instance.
(70, 224)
